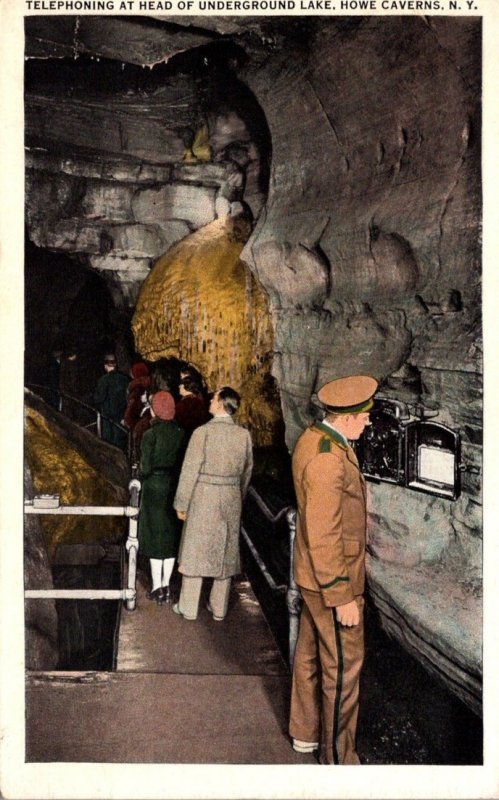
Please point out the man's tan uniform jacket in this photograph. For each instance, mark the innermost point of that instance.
(331, 523)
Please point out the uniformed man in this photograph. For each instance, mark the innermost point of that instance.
(329, 569)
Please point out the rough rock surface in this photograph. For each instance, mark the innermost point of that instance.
(67, 460)
(194, 204)
(437, 629)
(41, 652)
(381, 194)
(138, 42)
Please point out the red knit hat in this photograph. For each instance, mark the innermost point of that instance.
(139, 370)
(163, 405)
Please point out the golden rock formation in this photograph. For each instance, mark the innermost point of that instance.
(57, 468)
(200, 150)
(201, 303)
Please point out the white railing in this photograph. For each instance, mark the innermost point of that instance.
(49, 504)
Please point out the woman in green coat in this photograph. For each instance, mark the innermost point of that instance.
(162, 451)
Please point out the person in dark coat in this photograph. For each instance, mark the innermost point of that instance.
(110, 398)
(191, 410)
(141, 381)
(162, 450)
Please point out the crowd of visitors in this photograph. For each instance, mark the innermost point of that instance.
(183, 437)
(194, 463)
(195, 467)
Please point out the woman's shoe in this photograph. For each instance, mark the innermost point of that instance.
(166, 594)
(156, 594)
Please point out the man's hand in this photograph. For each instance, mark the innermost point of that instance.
(182, 515)
(348, 614)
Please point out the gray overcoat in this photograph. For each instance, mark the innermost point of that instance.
(215, 476)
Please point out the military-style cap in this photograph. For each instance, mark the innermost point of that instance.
(349, 395)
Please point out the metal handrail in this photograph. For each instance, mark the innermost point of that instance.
(36, 507)
(80, 594)
(293, 596)
(98, 414)
(49, 504)
(61, 393)
(280, 588)
(264, 507)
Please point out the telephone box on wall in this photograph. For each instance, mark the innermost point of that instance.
(415, 453)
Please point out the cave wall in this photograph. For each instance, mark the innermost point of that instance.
(369, 239)
(119, 217)
(124, 161)
(369, 248)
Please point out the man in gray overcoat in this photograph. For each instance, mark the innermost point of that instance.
(215, 476)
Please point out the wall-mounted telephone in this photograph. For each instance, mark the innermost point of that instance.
(414, 453)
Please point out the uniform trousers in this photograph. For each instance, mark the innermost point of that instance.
(326, 672)
(191, 592)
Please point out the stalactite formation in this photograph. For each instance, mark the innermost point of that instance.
(202, 304)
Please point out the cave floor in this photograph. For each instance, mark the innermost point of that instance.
(210, 692)
(187, 692)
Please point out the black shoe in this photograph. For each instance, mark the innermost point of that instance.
(166, 594)
(157, 595)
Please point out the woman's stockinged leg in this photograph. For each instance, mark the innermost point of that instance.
(156, 570)
(168, 564)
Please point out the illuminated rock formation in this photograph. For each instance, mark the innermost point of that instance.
(58, 466)
(202, 304)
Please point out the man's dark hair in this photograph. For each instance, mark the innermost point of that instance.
(190, 385)
(190, 371)
(230, 399)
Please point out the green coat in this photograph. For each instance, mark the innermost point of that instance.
(162, 450)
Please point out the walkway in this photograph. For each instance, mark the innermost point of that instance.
(183, 692)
